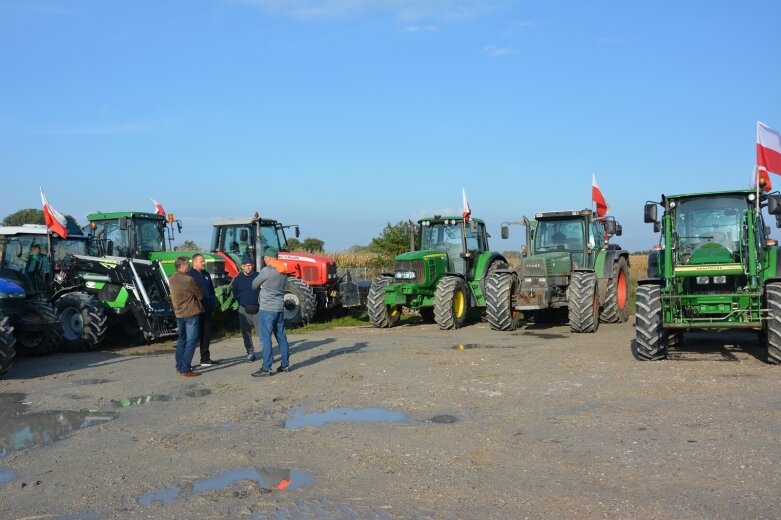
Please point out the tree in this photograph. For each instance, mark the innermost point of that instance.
(35, 216)
(313, 245)
(189, 245)
(393, 240)
(294, 244)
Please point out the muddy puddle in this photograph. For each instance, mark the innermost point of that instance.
(20, 430)
(155, 398)
(470, 346)
(444, 419)
(7, 475)
(87, 382)
(268, 478)
(298, 419)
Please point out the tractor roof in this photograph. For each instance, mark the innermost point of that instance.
(745, 192)
(243, 221)
(32, 229)
(564, 214)
(440, 218)
(124, 214)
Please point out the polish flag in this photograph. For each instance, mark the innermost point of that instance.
(598, 198)
(466, 211)
(768, 153)
(54, 219)
(158, 207)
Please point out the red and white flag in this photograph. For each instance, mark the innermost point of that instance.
(598, 198)
(158, 207)
(768, 154)
(54, 219)
(466, 211)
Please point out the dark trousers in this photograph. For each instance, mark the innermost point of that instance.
(205, 335)
(247, 323)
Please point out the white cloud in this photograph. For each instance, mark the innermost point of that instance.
(420, 28)
(495, 51)
(405, 10)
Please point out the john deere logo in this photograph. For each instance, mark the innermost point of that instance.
(711, 268)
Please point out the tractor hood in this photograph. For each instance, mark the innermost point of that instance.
(419, 255)
(710, 253)
(558, 263)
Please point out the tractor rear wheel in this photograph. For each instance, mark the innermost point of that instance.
(299, 306)
(650, 338)
(772, 335)
(84, 322)
(451, 302)
(499, 310)
(583, 303)
(42, 333)
(7, 340)
(617, 297)
(382, 316)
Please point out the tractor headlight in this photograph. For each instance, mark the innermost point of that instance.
(720, 279)
(405, 275)
(703, 280)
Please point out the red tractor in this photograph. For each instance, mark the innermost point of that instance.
(313, 284)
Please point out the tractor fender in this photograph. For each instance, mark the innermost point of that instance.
(62, 292)
(603, 266)
(484, 262)
(649, 281)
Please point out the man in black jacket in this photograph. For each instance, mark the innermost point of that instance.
(204, 281)
(242, 290)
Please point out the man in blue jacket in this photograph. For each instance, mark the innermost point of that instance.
(204, 281)
(241, 288)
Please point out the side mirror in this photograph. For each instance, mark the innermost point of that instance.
(610, 227)
(123, 223)
(619, 230)
(298, 232)
(505, 231)
(774, 204)
(244, 235)
(179, 225)
(650, 212)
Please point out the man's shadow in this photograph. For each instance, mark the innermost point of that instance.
(304, 346)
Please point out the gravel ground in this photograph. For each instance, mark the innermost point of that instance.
(538, 423)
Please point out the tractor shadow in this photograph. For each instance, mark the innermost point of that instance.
(729, 346)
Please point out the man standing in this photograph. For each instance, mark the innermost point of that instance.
(186, 299)
(204, 281)
(241, 288)
(271, 281)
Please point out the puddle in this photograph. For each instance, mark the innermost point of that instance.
(470, 346)
(20, 430)
(269, 479)
(297, 419)
(144, 399)
(163, 496)
(85, 382)
(198, 393)
(7, 475)
(444, 419)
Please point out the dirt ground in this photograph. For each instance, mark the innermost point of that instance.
(539, 423)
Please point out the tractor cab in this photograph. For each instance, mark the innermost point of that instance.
(462, 241)
(238, 238)
(130, 234)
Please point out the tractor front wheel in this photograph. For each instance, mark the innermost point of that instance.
(617, 297)
(84, 322)
(42, 332)
(381, 316)
(299, 303)
(451, 302)
(583, 303)
(7, 350)
(772, 335)
(499, 308)
(650, 336)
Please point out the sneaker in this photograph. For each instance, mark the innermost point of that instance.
(209, 363)
(262, 373)
(250, 358)
(189, 373)
(283, 369)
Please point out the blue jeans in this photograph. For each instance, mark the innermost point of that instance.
(268, 322)
(185, 347)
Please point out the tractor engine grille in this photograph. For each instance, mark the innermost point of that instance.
(310, 274)
(534, 267)
(411, 265)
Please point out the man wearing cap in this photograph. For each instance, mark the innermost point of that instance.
(242, 290)
(271, 280)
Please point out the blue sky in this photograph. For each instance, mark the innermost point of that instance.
(343, 115)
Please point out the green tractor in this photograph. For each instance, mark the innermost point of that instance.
(715, 268)
(442, 280)
(566, 265)
(142, 235)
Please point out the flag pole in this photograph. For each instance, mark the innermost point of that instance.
(756, 170)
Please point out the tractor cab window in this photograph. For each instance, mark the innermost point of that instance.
(29, 256)
(711, 220)
(475, 240)
(118, 238)
(559, 235)
(596, 236)
(232, 241)
(63, 248)
(281, 238)
(441, 236)
(150, 235)
(269, 237)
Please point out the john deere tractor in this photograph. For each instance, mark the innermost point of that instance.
(715, 268)
(442, 280)
(313, 285)
(566, 265)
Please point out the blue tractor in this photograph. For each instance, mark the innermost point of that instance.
(9, 291)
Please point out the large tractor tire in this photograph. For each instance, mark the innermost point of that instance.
(381, 316)
(772, 335)
(84, 322)
(300, 302)
(7, 350)
(42, 333)
(617, 298)
(451, 302)
(499, 308)
(650, 337)
(583, 302)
